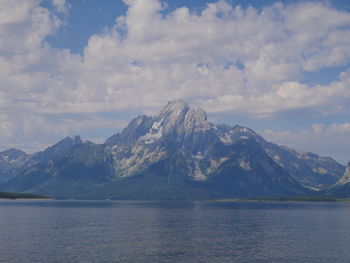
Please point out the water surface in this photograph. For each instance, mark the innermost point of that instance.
(126, 231)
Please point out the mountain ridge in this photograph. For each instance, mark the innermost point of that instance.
(188, 151)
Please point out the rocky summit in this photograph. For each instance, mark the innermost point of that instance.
(176, 154)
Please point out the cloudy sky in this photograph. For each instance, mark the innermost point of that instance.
(86, 67)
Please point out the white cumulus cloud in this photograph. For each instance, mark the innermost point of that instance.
(223, 58)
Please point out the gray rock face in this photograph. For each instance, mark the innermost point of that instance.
(147, 140)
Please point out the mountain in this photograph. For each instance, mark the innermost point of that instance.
(188, 150)
(63, 169)
(308, 169)
(59, 148)
(176, 154)
(10, 161)
(342, 187)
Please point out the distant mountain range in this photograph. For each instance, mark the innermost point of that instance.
(177, 154)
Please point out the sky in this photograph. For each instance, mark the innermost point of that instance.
(87, 67)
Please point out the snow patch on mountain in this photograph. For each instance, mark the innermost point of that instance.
(346, 177)
(154, 134)
(244, 165)
(198, 175)
(198, 156)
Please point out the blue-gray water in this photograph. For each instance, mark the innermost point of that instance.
(122, 231)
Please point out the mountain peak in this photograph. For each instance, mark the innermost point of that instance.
(174, 108)
(70, 140)
(12, 155)
(77, 139)
(60, 147)
(13, 151)
(178, 116)
(177, 103)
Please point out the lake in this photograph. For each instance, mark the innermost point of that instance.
(132, 231)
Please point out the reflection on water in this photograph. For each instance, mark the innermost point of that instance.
(126, 231)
